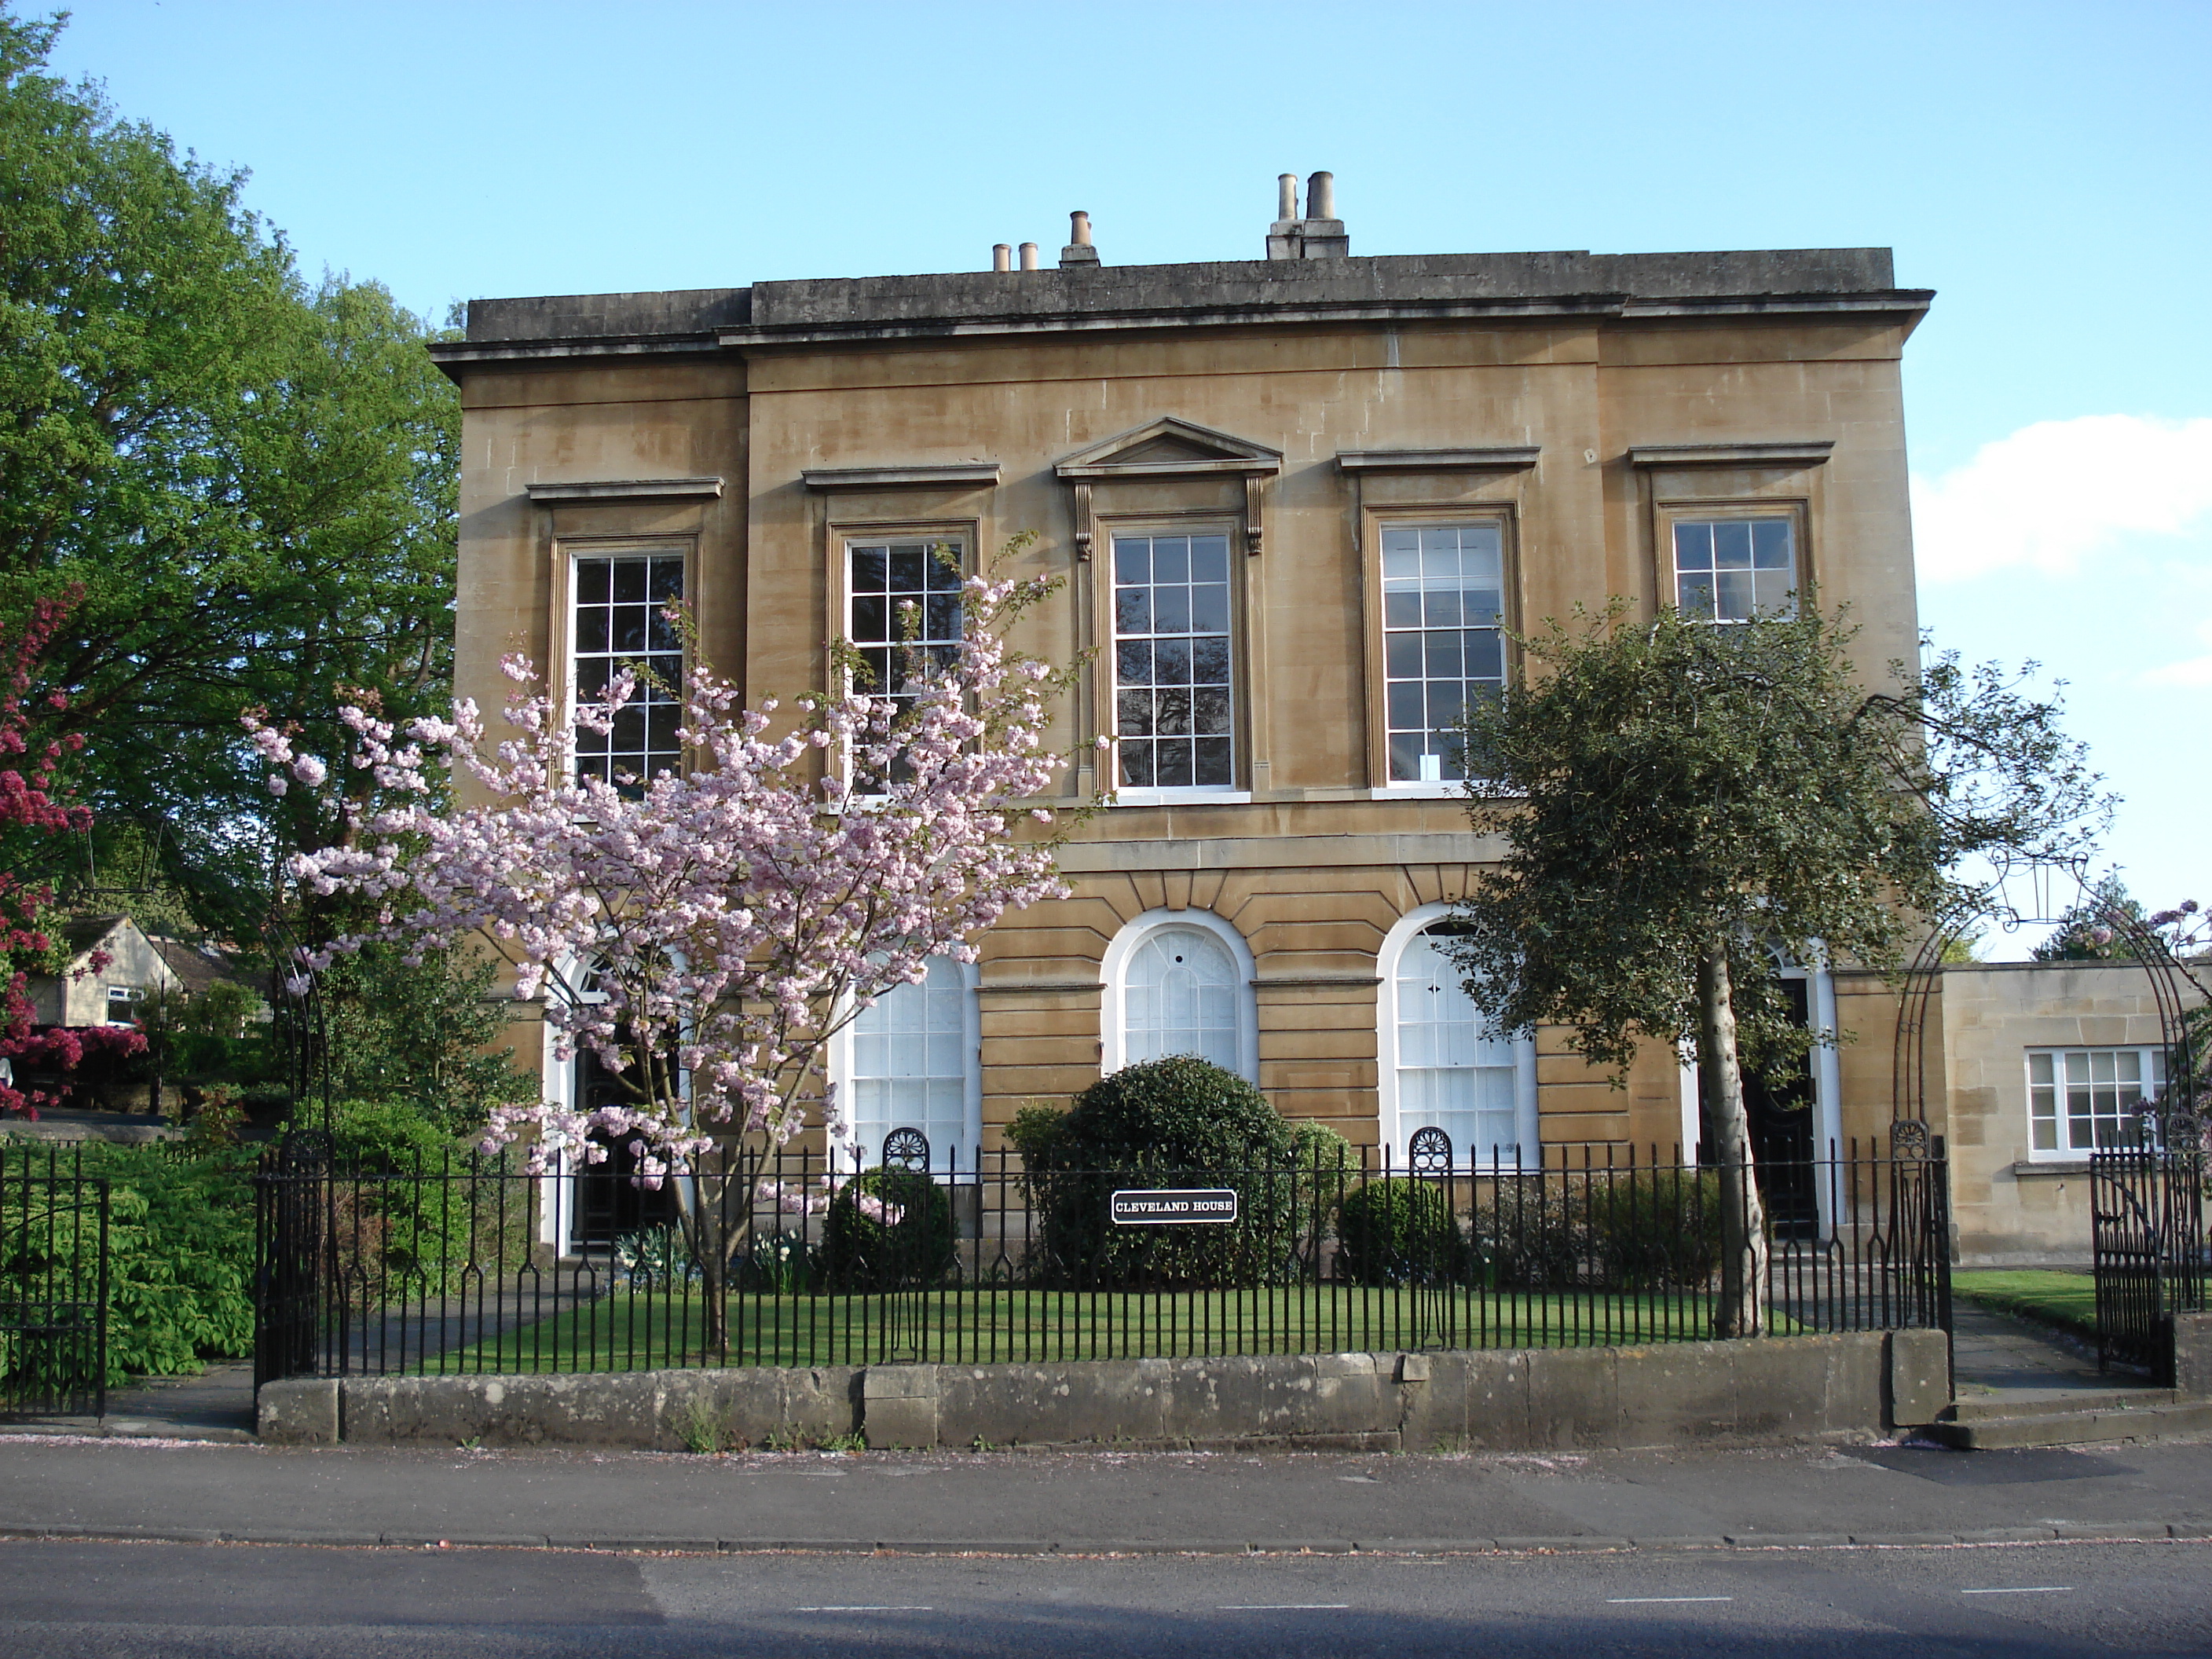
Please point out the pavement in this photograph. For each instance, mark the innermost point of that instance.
(1102, 1502)
(175, 1459)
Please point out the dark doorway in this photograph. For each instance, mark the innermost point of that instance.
(608, 1202)
(1777, 1106)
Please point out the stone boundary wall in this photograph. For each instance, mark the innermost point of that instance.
(1859, 1384)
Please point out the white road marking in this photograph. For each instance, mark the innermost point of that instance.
(1637, 1600)
(1288, 1606)
(2022, 1589)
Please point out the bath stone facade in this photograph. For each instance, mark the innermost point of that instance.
(1292, 499)
(2047, 1060)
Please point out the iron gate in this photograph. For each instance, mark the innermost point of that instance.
(2147, 1220)
(53, 1288)
(292, 1197)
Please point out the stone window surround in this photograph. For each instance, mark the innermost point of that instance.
(1114, 972)
(560, 665)
(842, 534)
(1243, 691)
(1374, 520)
(1731, 481)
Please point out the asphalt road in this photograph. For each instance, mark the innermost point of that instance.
(145, 1601)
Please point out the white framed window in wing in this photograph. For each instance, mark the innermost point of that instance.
(617, 606)
(1444, 1067)
(1443, 599)
(1734, 569)
(912, 1065)
(1174, 668)
(2079, 1099)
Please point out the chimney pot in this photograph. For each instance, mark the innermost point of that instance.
(1002, 255)
(1029, 256)
(1287, 195)
(1078, 254)
(1321, 196)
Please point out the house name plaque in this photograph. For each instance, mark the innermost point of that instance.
(1173, 1206)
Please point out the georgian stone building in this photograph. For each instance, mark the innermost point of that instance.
(1295, 499)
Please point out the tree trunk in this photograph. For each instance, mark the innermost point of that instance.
(1744, 1272)
(710, 1253)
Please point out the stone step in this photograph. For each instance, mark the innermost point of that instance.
(2045, 1402)
(2075, 1428)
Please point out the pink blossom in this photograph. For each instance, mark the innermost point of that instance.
(707, 933)
(879, 1211)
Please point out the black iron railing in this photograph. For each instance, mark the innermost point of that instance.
(53, 1284)
(476, 1265)
(2147, 1224)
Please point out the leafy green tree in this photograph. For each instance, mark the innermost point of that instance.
(422, 1037)
(250, 479)
(1679, 798)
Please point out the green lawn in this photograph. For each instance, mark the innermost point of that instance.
(622, 1333)
(2066, 1300)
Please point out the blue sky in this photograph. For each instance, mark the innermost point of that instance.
(2046, 168)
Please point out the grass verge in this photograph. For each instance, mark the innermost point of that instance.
(641, 1333)
(2067, 1301)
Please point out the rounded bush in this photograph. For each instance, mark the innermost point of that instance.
(1178, 1113)
(1181, 1121)
(888, 1229)
(1397, 1231)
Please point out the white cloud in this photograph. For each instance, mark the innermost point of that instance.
(2194, 672)
(2051, 493)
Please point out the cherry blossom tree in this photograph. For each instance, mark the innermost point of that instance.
(706, 932)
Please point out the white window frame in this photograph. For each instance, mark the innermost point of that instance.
(2150, 1061)
(569, 552)
(1525, 1122)
(1114, 978)
(1234, 792)
(1786, 513)
(1497, 522)
(846, 1146)
(126, 997)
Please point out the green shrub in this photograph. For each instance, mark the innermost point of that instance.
(1176, 1122)
(1530, 1232)
(909, 1243)
(392, 1133)
(405, 1221)
(1398, 1231)
(1657, 1229)
(180, 1256)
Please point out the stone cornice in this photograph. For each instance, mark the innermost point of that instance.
(960, 475)
(625, 489)
(1498, 458)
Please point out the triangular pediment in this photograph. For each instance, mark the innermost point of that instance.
(1169, 445)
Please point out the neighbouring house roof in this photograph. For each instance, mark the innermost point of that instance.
(202, 965)
(85, 933)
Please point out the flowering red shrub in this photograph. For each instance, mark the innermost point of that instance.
(30, 813)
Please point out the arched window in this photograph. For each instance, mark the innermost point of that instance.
(909, 1062)
(1442, 1067)
(1180, 983)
